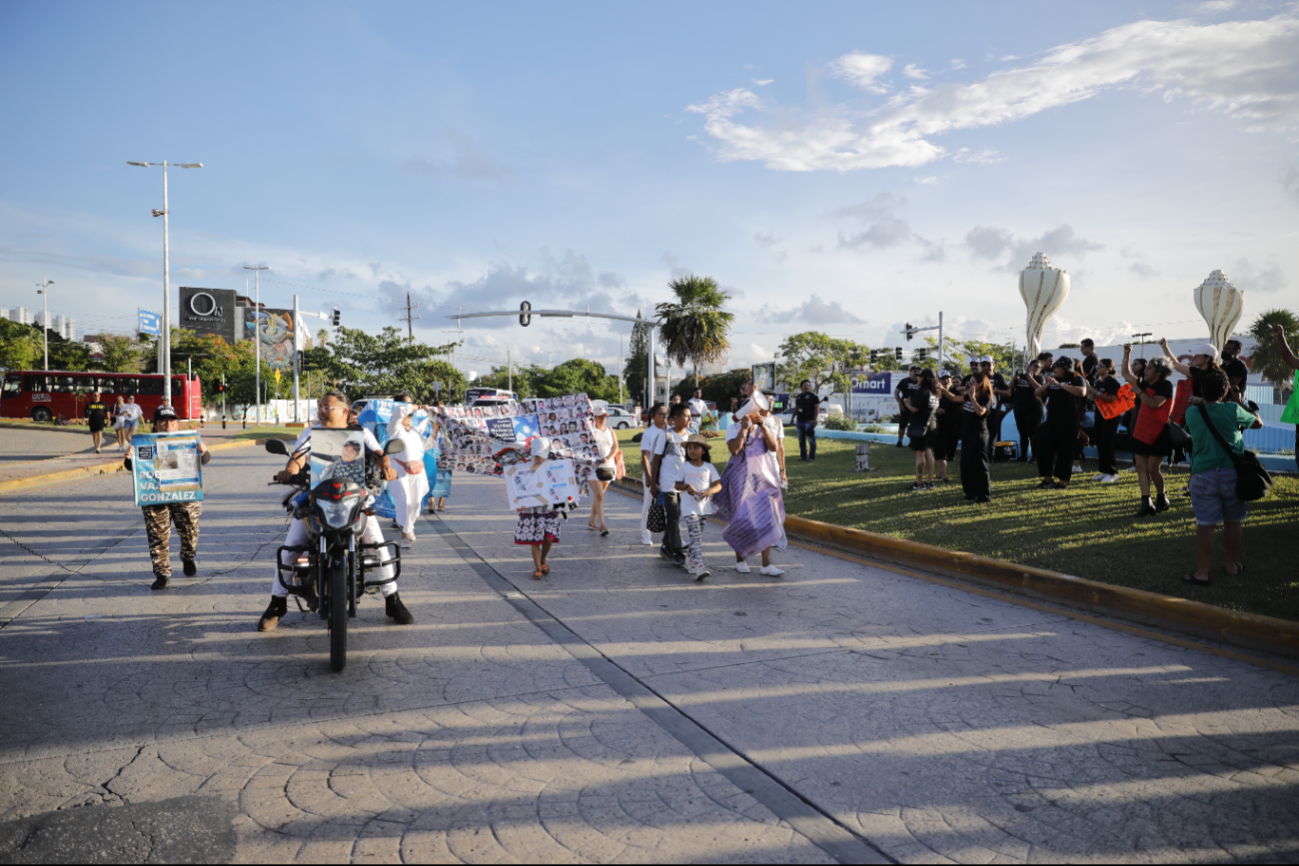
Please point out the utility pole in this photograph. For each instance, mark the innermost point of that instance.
(257, 334)
(43, 289)
(297, 339)
(509, 363)
(408, 319)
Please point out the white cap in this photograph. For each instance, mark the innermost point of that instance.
(599, 407)
(986, 359)
(1206, 349)
(539, 446)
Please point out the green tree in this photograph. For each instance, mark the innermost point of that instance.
(20, 346)
(1267, 361)
(122, 354)
(694, 328)
(523, 381)
(633, 371)
(67, 354)
(579, 376)
(719, 388)
(383, 363)
(820, 358)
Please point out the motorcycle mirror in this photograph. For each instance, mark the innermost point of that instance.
(394, 446)
(277, 446)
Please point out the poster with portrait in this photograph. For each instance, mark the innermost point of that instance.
(552, 483)
(375, 417)
(166, 467)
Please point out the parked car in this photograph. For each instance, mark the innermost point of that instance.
(621, 419)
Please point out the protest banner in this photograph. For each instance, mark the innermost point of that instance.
(1124, 400)
(1181, 401)
(166, 467)
(554, 482)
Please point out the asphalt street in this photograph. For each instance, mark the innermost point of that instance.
(616, 711)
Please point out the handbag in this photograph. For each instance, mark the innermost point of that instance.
(917, 431)
(1177, 435)
(1252, 480)
(657, 518)
(603, 473)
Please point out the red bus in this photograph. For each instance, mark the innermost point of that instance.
(43, 396)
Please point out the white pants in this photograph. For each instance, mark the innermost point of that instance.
(407, 493)
(644, 509)
(298, 537)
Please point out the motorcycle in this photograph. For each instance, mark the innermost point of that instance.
(329, 573)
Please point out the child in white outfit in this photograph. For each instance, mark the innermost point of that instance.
(697, 480)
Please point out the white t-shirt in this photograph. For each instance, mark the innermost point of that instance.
(651, 443)
(604, 441)
(701, 478)
(674, 454)
(132, 413)
(414, 451)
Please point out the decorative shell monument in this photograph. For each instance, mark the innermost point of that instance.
(1044, 290)
(1221, 304)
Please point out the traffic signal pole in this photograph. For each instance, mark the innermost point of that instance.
(910, 332)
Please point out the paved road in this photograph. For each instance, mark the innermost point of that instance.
(21, 444)
(615, 711)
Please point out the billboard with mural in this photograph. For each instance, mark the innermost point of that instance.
(275, 330)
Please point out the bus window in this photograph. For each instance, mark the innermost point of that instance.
(127, 385)
(84, 384)
(36, 382)
(61, 384)
(150, 387)
(13, 385)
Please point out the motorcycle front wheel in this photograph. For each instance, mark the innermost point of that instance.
(338, 602)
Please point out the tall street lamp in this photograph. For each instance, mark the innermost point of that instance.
(164, 345)
(43, 289)
(257, 332)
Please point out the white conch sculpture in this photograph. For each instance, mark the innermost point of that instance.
(1221, 304)
(1044, 290)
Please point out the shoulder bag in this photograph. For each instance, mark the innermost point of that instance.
(1252, 480)
(657, 518)
(1177, 435)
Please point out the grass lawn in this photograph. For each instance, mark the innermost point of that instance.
(269, 433)
(1087, 531)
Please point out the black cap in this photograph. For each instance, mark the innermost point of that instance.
(165, 413)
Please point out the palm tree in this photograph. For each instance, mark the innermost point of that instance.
(694, 328)
(1267, 360)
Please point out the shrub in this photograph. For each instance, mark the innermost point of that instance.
(839, 422)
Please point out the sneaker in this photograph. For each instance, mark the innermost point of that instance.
(645, 538)
(742, 567)
(397, 611)
(701, 573)
(664, 553)
(1100, 477)
(279, 606)
(770, 571)
(406, 541)
(161, 581)
(917, 486)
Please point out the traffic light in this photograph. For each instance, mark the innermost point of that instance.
(524, 318)
(897, 353)
(221, 389)
(922, 354)
(908, 332)
(337, 317)
(875, 355)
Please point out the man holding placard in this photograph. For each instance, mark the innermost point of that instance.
(167, 467)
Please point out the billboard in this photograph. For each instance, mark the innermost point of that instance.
(210, 311)
(874, 384)
(150, 323)
(275, 331)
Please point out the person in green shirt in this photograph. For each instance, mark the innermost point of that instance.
(1213, 473)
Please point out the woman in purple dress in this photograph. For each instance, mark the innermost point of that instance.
(750, 501)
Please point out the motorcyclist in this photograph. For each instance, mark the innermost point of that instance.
(333, 415)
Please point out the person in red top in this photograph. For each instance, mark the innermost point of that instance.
(1150, 440)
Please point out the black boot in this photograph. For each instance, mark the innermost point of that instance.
(188, 566)
(161, 581)
(1162, 503)
(279, 606)
(1146, 509)
(397, 610)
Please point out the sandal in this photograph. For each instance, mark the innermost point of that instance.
(545, 569)
(537, 575)
(605, 532)
(1190, 577)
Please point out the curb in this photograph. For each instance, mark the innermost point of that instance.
(111, 467)
(1252, 631)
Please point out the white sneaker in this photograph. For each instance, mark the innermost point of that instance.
(702, 573)
(1101, 477)
(742, 567)
(406, 542)
(645, 538)
(771, 571)
(1109, 479)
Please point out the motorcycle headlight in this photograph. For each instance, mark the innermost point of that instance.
(337, 514)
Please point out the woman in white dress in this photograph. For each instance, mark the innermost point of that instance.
(607, 442)
(408, 490)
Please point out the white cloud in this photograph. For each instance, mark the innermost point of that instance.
(763, 82)
(1245, 69)
(862, 70)
(929, 181)
(885, 227)
(1247, 277)
(911, 70)
(1290, 184)
(989, 242)
(958, 63)
(813, 311)
(987, 156)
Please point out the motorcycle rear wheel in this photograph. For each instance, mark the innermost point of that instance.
(338, 603)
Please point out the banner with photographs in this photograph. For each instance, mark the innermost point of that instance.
(553, 483)
(484, 440)
(166, 467)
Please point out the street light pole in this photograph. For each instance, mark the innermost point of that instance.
(43, 289)
(257, 334)
(164, 343)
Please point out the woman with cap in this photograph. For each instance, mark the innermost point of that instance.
(607, 470)
(1058, 442)
(1151, 442)
(951, 400)
(697, 481)
(538, 526)
(1204, 357)
(409, 489)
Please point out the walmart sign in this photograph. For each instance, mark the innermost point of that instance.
(873, 384)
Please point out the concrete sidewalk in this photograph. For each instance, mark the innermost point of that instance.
(615, 711)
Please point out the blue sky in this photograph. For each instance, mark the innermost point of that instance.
(838, 166)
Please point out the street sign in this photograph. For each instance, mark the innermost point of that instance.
(150, 323)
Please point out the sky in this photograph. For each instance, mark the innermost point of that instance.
(841, 167)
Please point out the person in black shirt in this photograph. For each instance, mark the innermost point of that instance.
(1059, 440)
(1089, 360)
(96, 418)
(905, 390)
(923, 406)
(1105, 429)
(976, 480)
(1203, 357)
(1027, 408)
(951, 402)
(807, 406)
(1237, 372)
(1001, 392)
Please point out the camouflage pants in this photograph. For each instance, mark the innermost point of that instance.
(158, 520)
